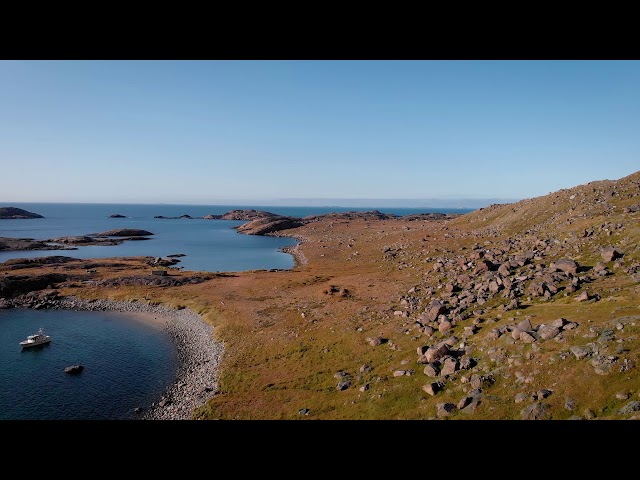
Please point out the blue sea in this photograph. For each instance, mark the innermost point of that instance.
(128, 363)
(208, 245)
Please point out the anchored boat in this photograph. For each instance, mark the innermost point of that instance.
(36, 339)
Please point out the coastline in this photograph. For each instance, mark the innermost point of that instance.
(198, 354)
(299, 258)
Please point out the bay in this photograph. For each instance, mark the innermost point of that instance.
(127, 364)
(208, 245)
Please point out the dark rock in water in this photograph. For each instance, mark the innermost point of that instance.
(17, 213)
(212, 217)
(116, 215)
(123, 232)
(175, 218)
(74, 369)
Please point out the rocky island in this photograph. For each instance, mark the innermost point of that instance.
(111, 237)
(519, 311)
(17, 213)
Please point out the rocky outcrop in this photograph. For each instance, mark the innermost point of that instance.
(18, 263)
(264, 226)
(116, 215)
(12, 244)
(123, 232)
(153, 280)
(17, 213)
(430, 216)
(12, 285)
(352, 215)
(247, 215)
(72, 242)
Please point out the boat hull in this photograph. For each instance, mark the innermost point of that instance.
(34, 344)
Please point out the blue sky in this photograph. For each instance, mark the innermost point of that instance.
(299, 132)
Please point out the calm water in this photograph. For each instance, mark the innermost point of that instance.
(209, 245)
(128, 364)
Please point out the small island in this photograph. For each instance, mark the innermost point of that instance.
(16, 213)
(123, 232)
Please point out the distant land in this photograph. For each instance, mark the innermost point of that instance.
(16, 213)
(392, 202)
(426, 203)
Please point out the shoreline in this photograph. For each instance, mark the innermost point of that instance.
(299, 259)
(198, 355)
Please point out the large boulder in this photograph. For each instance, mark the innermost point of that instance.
(567, 266)
(610, 253)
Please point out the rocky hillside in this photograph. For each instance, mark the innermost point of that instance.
(527, 310)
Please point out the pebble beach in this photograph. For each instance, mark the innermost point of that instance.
(198, 354)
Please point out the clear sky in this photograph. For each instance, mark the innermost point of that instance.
(276, 131)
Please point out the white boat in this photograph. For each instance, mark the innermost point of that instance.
(37, 339)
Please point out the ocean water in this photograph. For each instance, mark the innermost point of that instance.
(127, 364)
(208, 245)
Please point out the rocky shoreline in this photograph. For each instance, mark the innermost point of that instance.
(294, 250)
(198, 354)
